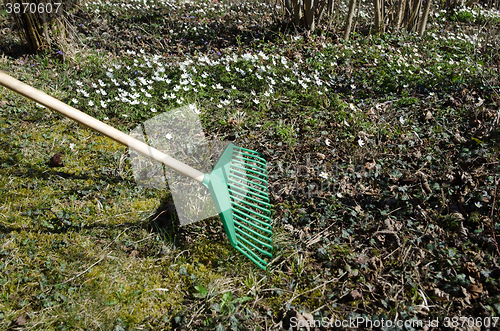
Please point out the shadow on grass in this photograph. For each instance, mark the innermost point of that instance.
(164, 222)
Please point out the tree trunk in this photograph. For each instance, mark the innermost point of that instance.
(297, 11)
(320, 12)
(356, 17)
(287, 7)
(348, 25)
(425, 15)
(401, 10)
(414, 14)
(382, 15)
(378, 22)
(309, 14)
(38, 28)
(330, 7)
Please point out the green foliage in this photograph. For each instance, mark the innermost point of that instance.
(376, 146)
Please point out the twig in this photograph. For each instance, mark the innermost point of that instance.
(102, 258)
(195, 315)
(81, 273)
(317, 287)
(388, 232)
(163, 211)
(492, 214)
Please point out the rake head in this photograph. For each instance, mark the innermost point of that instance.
(238, 186)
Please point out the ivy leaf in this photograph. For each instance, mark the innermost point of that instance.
(202, 291)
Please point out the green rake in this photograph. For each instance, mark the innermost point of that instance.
(237, 183)
(238, 186)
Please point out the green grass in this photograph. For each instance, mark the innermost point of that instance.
(369, 192)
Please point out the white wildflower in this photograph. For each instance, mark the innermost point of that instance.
(194, 108)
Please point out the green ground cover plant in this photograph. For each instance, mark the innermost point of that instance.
(384, 171)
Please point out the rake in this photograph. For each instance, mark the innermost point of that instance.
(237, 183)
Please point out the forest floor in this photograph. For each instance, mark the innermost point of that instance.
(383, 157)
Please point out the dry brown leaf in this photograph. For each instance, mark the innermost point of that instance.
(304, 320)
(428, 115)
(457, 138)
(55, 161)
(388, 224)
(466, 295)
(457, 216)
(355, 295)
(475, 290)
(441, 296)
(22, 320)
(471, 269)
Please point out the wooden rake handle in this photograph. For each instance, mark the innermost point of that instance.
(76, 115)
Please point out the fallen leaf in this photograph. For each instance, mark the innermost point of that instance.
(304, 320)
(21, 320)
(457, 138)
(475, 290)
(55, 161)
(428, 116)
(466, 295)
(441, 296)
(355, 295)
